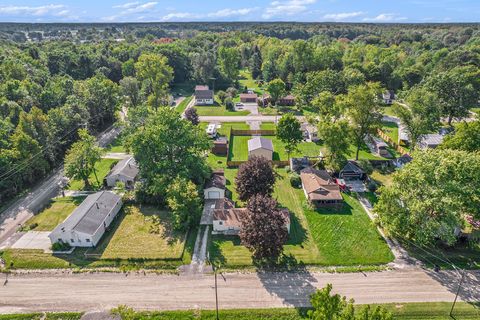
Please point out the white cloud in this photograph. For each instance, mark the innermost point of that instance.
(343, 15)
(223, 13)
(286, 8)
(50, 9)
(386, 17)
(127, 5)
(137, 8)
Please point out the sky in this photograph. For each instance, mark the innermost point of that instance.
(381, 11)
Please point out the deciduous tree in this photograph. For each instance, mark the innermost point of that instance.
(288, 131)
(263, 229)
(276, 89)
(466, 137)
(184, 203)
(192, 116)
(256, 176)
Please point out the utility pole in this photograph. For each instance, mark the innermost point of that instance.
(215, 269)
(458, 290)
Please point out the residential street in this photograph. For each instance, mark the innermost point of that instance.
(261, 118)
(23, 209)
(102, 291)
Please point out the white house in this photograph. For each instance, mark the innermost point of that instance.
(261, 147)
(85, 226)
(215, 187)
(126, 170)
(203, 96)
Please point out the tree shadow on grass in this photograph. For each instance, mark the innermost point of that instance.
(288, 280)
(341, 210)
(216, 255)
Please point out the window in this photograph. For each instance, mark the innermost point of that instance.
(88, 240)
(72, 240)
(220, 223)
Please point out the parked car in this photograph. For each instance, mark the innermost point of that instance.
(239, 104)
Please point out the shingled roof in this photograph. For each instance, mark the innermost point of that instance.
(319, 185)
(217, 180)
(126, 167)
(259, 142)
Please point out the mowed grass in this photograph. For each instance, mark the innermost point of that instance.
(223, 128)
(246, 80)
(239, 148)
(183, 105)
(57, 211)
(268, 126)
(400, 311)
(391, 130)
(219, 110)
(142, 232)
(323, 237)
(102, 168)
(43, 316)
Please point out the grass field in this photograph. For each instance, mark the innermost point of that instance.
(43, 316)
(324, 238)
(224, 129)
(54, 213)
(391, 130)
(219, 110)
(102, 168)
(142, 233)
(239, 148)
(117, 145)
(389, 111)
(182, 105)
(268, 126)
(246, 80)
(401, 311)
(129, 244)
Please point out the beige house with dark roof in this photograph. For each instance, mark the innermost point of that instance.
(203, 95)
(320, 189)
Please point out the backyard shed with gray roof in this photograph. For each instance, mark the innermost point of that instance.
(85, 226)
(261, 147)
(126, 171)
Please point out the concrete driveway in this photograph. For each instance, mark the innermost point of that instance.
(252, 107)
(34, 240)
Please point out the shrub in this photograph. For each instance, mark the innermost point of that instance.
(61, 246)
(229, 104)
(33, 226)
(295, 180)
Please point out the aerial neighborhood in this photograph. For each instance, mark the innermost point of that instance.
(280, 157)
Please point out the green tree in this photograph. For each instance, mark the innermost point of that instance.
(336, 139)
(256, 63)
(256, 176)
(326, 106)
(130, 89)
(276, 89)
(222, 95)
(156, 74)
(167, 146)
(288, 131)
(363, 108)
(457, 91)
(184, 203)
(429, 198)
(229, 61)
(421, 116)
(81, 158)
(466, 137)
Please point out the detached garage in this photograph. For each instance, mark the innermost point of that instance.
(215, 187)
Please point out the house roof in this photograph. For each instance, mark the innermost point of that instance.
(260, 143)
(352, 166)
(127, 167)
(379, 143)
(319, 185)
(389, 94)
(232, 217)
(221, 141)
(217, 180)
(91, 213)
(248, 96)
(404, 159)
(297, 164)
(201, 87)
(204, 94)
(433, 139)
(288, 97)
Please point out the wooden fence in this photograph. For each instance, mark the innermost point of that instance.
(394, 144)
(277, 163)
(237, 132)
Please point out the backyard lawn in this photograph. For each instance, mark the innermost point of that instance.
(268, 126)
(102, 168)
(57, 211)
(391, 130)
(223, 128)
(323, 237)
(182, 105)
(219, 110)
(246, 80)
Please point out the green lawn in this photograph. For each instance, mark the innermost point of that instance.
(389, 111)
(239, 151)
(268, 126)
(246, 80)
(344, 238)
(219, 110)
(391, 130)
(182, 105)
(117, 145)
(142, 233)
(102, 168)
(224, 129)
(383, 178)
(43, 316)
(54, 213)
(134, 241)
(401, 311)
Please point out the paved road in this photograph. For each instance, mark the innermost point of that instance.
(244, 118)
(59, 292)
(20, 211)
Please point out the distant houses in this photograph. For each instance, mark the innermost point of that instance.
(320, 189)
(248, 97)
(125, 171)
(203, 95)
(288, 100)
(261, 147)
(388, 97)
(85, 226)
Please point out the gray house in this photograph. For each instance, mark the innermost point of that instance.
(85, 226)
(203, 95)
(125, 171)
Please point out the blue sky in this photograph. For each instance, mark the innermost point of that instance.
(244, 10)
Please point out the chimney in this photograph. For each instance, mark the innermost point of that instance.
(97, 205)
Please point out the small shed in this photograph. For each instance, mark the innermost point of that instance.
(215, 187)
(352, 171)
(380, 146)
(261, 147)
(220, 146)
(288, 100)
(431, 141)
(126, 171)
(248, 97)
